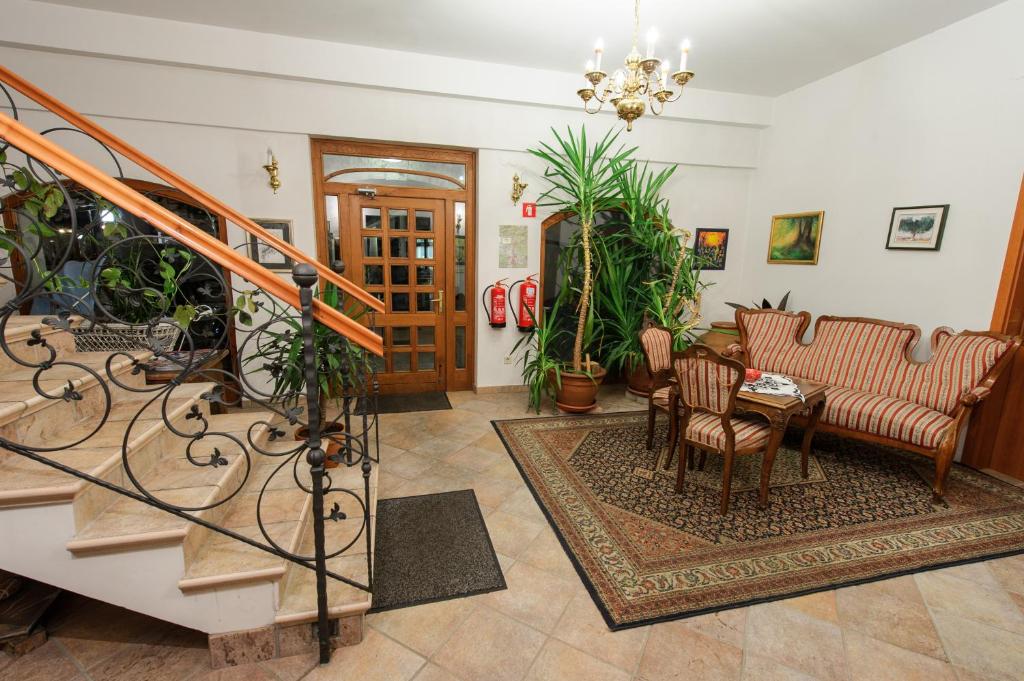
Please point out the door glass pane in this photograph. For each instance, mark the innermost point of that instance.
(424, 220)
(400, 335)
(379, 295)
(372, 246)
(424, 274)
(398, 219)
(371, 218)
(394, 171)
(401, 361)
(460, 256)
(399, 275)
(333, 227)
(399, 247)
(424, 361)
(377, 363)
(424, 335)
(399, 302)
(460, 347)
(424, 302)
(373, 275)
(425, 249)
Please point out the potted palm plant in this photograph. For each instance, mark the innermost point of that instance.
(583, 180)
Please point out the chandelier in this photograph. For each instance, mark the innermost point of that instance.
(643, 78)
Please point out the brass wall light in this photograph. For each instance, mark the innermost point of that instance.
(271, 168)
(518, 187)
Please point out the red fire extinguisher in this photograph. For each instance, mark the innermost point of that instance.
(495, 309)
(527, 303)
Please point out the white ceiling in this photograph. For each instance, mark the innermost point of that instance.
(763, 47)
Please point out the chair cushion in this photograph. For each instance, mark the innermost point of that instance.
(707, 429)
(887, 416)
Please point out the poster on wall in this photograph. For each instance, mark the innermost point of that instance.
(711, 246)
(795, 238)
(264, 253)
(512, 251)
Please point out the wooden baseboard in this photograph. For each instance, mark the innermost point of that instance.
(492, 389)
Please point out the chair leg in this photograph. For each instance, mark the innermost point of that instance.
(673, 438)
(703, 459)
(726, 482)
(650, 426)
(684, 450)
(690, 457)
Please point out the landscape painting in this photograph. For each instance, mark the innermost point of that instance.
(795, 238)
(917, 228)
(710, 246)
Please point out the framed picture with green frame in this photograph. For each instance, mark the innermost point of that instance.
(795, 238)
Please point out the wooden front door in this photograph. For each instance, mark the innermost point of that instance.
(995, 440)
(396, 249)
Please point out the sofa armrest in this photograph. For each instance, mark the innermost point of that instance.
(734, 351)
(974, 395)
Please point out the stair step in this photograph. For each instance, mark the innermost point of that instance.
(129, 524)
(24, 481)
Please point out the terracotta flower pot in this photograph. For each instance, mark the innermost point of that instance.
(639, 380)
(331, 447)
(578, 393)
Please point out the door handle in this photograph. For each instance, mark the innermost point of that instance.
(439, 300)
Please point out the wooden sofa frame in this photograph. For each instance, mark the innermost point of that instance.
(945, 451)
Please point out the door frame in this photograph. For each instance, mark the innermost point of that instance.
(454, 378)
(995, 432)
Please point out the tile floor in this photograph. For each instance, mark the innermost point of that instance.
(959, 624)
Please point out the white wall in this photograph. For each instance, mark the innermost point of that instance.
(214, 127)
(938, 120)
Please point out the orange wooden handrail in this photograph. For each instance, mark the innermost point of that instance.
(38, 147)
(210, 202)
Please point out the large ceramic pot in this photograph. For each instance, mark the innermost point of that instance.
(331, 447)
(720, 336)
(639, 380)
(578, 393)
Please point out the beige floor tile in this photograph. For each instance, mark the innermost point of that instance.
(990, 606)
(522, 504)
(510, 534)
(675, 652)
(582, 627)
(761, 668)
(533, 596)
(979, 573)
(821, 605)
(727, 626)
(377, 658)
(873, 660)
(990, 652)
(559, 662)
(473, 458)
(511, 649)
(546, 553)
(494, 491)
(431, 672)
(804, 643)
(423, 628)
(1009, 572)
(891, 611)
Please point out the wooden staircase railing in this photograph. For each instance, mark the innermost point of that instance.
(60, 160)
(208, 201)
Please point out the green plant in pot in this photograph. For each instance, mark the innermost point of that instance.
(280, 352)
(583, 180)
(542, 366)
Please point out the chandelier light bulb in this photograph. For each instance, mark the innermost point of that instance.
(684, 53)
(598, 50)
(652, 38)
(590, 66)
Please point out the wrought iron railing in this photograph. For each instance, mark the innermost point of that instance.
(112, 261)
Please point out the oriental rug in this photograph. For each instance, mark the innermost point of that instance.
(648, 554)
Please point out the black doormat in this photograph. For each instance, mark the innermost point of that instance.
(398, 404)
(431, 548)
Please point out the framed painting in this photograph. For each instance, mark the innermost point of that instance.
(917, 228)
(710, 246)
(795, 238)
(267, 255)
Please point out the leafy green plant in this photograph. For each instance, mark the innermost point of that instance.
(542, 367)
(143, 282)
(763, 305)
(584, 180)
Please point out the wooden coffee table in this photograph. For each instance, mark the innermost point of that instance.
(778, 410)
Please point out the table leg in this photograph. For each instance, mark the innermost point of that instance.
(778, 431)
(812, 425)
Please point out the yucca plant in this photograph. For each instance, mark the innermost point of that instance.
(584, 180)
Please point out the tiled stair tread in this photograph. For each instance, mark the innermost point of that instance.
(299, 602)
(21, 473)
(223, 556)
(21, 326)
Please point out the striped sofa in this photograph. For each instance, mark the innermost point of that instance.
(877, 392)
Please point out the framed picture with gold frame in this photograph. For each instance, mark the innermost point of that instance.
(795, 238)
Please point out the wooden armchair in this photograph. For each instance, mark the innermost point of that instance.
(656, 342)
(703, 404)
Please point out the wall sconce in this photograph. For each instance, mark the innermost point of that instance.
(518, 188)
(271, 168)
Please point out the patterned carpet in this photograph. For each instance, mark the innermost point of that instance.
(648, 554)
